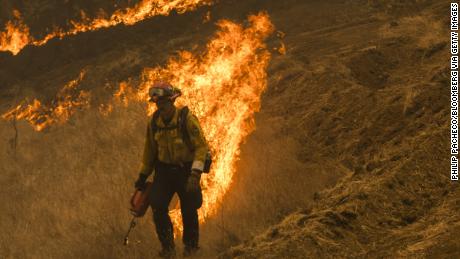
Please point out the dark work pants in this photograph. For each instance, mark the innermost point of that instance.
(169, 180)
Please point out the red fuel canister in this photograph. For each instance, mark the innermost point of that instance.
(140, 200)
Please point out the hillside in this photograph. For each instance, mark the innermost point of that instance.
(349, 156)
(371, 95)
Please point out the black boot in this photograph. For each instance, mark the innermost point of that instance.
(167, 252)
(190, 251)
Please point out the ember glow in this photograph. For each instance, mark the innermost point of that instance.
(16, 35)
(68, 100)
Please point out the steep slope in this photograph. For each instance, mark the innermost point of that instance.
(65, 189)
(359, 104)
(373, 95)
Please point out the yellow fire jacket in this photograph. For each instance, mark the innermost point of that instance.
(168, 146)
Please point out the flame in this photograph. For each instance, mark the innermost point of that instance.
(222, 87)
(282, 49)
(41, 116)
(16, 35)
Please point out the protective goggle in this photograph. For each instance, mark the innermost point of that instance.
(159, 92)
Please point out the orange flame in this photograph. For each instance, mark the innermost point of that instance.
(16, 35)
(40, 116)
(282, 49)
(222, 87)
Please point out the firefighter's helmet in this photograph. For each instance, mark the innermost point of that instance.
(162, 89)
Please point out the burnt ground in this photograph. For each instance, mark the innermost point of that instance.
(350, 157)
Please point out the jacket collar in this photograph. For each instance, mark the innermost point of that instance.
(173, 121)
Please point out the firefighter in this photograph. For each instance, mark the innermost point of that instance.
(177, 168)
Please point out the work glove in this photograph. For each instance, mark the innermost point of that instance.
(140, 182)
(193, 181)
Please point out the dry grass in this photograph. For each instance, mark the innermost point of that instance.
(65, 190)
(387, 133)
(70, 185)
